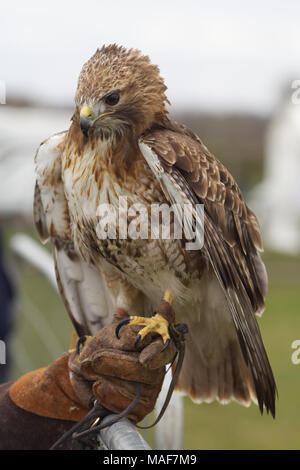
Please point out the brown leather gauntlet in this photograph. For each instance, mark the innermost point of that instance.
(106, 369)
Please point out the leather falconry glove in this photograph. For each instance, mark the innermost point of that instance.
(103, 368)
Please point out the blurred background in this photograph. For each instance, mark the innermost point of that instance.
(232, 71)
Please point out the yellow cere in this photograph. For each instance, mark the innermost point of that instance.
(85, 111)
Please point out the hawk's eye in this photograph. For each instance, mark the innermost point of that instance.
(112, 98)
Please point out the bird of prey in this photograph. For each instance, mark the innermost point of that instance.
(122, 144)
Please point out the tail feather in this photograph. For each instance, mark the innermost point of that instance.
(214, 366)
(224, 380)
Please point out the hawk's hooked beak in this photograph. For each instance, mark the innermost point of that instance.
(87, 119)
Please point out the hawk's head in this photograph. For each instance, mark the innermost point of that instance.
(119, 90)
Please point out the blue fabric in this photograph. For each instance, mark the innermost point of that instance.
(6, 297)
(6, 317)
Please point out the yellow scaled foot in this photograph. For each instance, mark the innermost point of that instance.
(155, 324)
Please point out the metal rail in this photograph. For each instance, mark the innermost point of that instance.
(122, 435)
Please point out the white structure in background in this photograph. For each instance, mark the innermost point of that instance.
(168, 432)
(276, 200)
(22, 129)
(35, 254)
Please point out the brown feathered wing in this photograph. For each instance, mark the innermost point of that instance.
(232, 242)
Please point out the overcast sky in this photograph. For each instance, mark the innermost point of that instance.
(216, 55)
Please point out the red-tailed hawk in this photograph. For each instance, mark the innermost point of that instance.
(121, 143)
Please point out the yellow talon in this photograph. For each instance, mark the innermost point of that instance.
(156, 324)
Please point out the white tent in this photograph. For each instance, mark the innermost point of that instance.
(22, 129)
(277, 200)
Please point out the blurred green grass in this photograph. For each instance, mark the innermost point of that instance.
(206, 426)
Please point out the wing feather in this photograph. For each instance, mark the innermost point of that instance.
(232, 240)
(83, 290)
(81, 285)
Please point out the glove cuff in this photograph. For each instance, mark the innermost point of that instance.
(48, 392)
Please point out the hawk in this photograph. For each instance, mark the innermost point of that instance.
(121, 143)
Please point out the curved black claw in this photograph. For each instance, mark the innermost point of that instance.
(136, 341)
(166, 345)
(123, 322)
(182, 328)
(80, 342)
